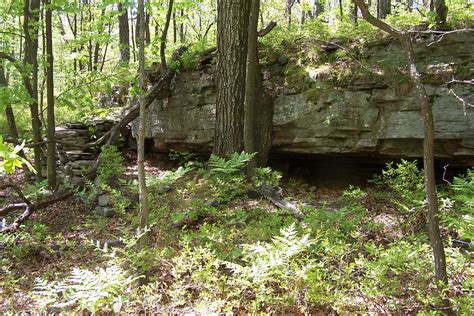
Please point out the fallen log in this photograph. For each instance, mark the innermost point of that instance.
(274, 195)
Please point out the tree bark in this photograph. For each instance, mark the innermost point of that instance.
(147, 28)
(385, 8)
(124, 35)
(251, 85)
(439, 256)
(8, 108)
(51, 158)
(97, 44)
(164, 36)
(30, 77)
(141, 132)
(232, 33)
(441, 11)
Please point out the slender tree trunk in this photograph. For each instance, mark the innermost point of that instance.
(104, 57)
(441, 11)
(147, 29)
(355, 14)
(124, 35)
(181, 28)
(45, 69)
(385, 8)
(89, 46)
(439, 256)
(81, 27)
(289, 7)
(251, 85)
(341, 10)
(141, 132)
(30, 80)
(8, 108)
(175, 30)
(75, 35)
(97, 44)
(164, 35)
(133, 40)
(232, 34)
(51, 159)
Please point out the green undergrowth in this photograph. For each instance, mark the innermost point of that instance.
(213, 248)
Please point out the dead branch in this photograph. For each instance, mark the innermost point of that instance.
(267, 29)
(463, 101)
(442, 34)
(30, 208)
(17, 191)
(11, 207)
(274, 195)
(206, 55)
(471, 82)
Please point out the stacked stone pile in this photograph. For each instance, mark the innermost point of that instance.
(74, 157)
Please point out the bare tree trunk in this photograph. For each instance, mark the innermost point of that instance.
(181, 28)
(441, 11)
(30, 80)
(147, 28)
(8, 108)
(385, 8)
(89, 46)
(164, 36)
(51, 158)
(341, 11)
(141, 132)
(232, 33)
(104, 57)
(175, 30)
(133, 40)
(289, 7)
(97, 44)
(439, 256)
(251, 85)
(124, 35)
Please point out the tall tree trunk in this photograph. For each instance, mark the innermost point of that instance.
(251, 85)
(89, 45)
(181, 28)
(97, 44)
(8, 107)
(164, 36)
(341, 10)
(147, 28)
(439, 256)
(175, 30)
(30, 80)
(385, 8)
(141, 132)
(232, 33)
(441, 11)
(289, 7)
(75, 35)
(124, 35)
(51, 159)
(133, 40)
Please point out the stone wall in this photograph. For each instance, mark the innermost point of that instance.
(369, 113)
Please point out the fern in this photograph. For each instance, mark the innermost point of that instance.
(464, 188)
(276, 267)
(236, 162)
(93, 291)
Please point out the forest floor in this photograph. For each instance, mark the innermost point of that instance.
(363, 253)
